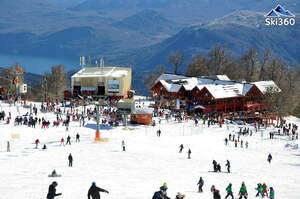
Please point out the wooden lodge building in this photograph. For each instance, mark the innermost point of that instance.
(211, 94)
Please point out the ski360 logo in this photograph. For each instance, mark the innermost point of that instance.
(280, 17)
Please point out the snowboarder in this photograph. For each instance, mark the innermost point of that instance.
(70, 158)
(189, 153)
(53, 174)
(123, 145)
(37, 143)
(200, 185)
(62, 141)
(228, 166)
(269, 158)
(68, 140)
(243, 191)
(272, 193)
(158, 133)
(181, 148)
(179, 196)
(216, 193)
(229, 191)
(8, 146)
(94, 191)
(52, 191)
(77, 137)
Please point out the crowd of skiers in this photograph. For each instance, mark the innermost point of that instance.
(262, 190)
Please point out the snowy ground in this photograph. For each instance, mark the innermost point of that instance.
(148, 162)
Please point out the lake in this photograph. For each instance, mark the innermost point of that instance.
(37, 65)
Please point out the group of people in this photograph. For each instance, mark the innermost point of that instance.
(217, 166)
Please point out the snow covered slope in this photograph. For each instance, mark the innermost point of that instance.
(148, 162)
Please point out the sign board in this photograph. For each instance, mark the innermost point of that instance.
(113, 85)
(23, 88)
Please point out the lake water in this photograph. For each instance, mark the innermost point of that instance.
(37, 65)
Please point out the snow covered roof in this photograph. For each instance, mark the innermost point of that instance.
(143, 110)
(170, 87)
(225, 91)
(264, 86)
(166, 76)
(102, 71)
(223, 77)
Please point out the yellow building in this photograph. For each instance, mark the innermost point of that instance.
(101, 81)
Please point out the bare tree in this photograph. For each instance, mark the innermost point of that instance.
(176, 59)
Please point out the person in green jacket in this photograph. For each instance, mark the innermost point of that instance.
(229, 191)
(272, 193)
(243, 191)
(259, 189)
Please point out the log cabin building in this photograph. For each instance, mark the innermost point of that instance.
(211, 94)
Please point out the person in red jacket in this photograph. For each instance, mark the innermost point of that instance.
(62, 141)
(94, 191)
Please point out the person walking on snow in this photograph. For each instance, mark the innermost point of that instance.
(77, 137)
(52, 191)
(200, 185)
(62, 141)
(228, 166)
(37, 143)
(123, 145)
(158, 133)
(269, 158)
(264, 190)
(68, 140)
(229, 191)
(8, 146)
(70, 158)
(243, 191)
(94, 191)
(272, 193)
(181, 148)
(216, 192)
(259, 189)
(189, 153)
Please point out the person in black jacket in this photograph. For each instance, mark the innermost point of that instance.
(52, 191)
(94, 191)
(70, 158)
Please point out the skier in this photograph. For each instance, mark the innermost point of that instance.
(216, 193)
(242, 143)
(62, 141)
(94, 191)
(272, 193)
(68, 140)
(259, 190)
(52, 191)
(219, 168)
(70, 158)
(158, 133)
(269, 158)
(37, 143)
(181, 148)
(228, 166)
(226, 141)
(77, 137)
(243, 191)
(264, 190)
(8, 146)
(123, 145)
(200, 185)
(229, 191)
(246, 144)
(235, 143)
(215, 166)
(229, 136)
(189, 153)
(179, 196)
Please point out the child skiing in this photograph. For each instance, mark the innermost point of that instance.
(229, 191)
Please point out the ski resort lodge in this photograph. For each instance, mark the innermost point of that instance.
(211, 94)
(101, 81)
